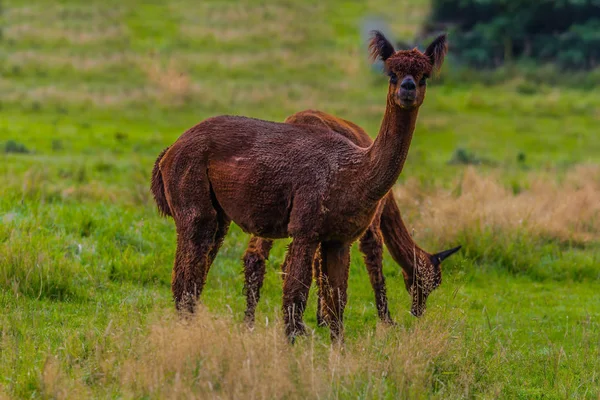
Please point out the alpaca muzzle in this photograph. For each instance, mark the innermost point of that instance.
(407, 94)
(419, 301)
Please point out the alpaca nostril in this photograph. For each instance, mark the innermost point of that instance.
(408, 84)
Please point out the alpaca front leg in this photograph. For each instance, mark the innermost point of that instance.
(254, 271)
(335, 265)
(371, 245)
(296, 285)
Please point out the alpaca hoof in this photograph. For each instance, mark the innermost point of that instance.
(321, 321)
(249, 321)
(186, 305)
(293, 332)
(337, 339)
(185, 311)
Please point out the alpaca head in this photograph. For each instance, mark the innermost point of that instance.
(408, 69)
(426, 277)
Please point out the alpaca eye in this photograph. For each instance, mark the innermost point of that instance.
(423, 81)
(393, 79)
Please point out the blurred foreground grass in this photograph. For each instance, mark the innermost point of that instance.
(91, 92)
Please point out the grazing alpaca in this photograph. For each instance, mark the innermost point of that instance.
(279, 180)
(387, 226)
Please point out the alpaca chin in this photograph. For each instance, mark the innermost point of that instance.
(417, 310)
(406, 104)
(419, 302)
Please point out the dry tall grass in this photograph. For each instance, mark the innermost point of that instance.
(3, 395)
(566, 210)
(56, 383)
(215, 357)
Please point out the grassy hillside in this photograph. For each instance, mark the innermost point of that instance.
(90, 92)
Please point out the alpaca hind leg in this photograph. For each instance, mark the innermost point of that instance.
(371, 245)
(254, 271)
(195, 240)
(296, 285)
(201, 226)
(335, 264)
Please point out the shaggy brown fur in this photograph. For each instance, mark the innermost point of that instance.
(387, 226)
(280, 180)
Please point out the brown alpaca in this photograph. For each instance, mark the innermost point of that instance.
(279, 180)
(387, 226)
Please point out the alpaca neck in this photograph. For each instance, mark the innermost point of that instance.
(397, 238)
(403, 248)
(385, 158)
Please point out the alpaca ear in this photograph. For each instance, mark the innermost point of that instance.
(437, 259)
(437, 50)
(380, 47)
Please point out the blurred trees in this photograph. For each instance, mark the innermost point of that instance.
(489, 33)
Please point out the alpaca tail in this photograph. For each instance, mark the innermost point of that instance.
(158, 188)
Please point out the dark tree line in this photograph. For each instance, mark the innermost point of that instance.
(488, 33)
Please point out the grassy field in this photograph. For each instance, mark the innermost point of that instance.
(90, 92)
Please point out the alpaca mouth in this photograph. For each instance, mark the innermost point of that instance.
(416, 313)
(406, 101)
(418, 308)
(419, 300)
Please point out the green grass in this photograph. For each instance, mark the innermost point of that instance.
(93, 91)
